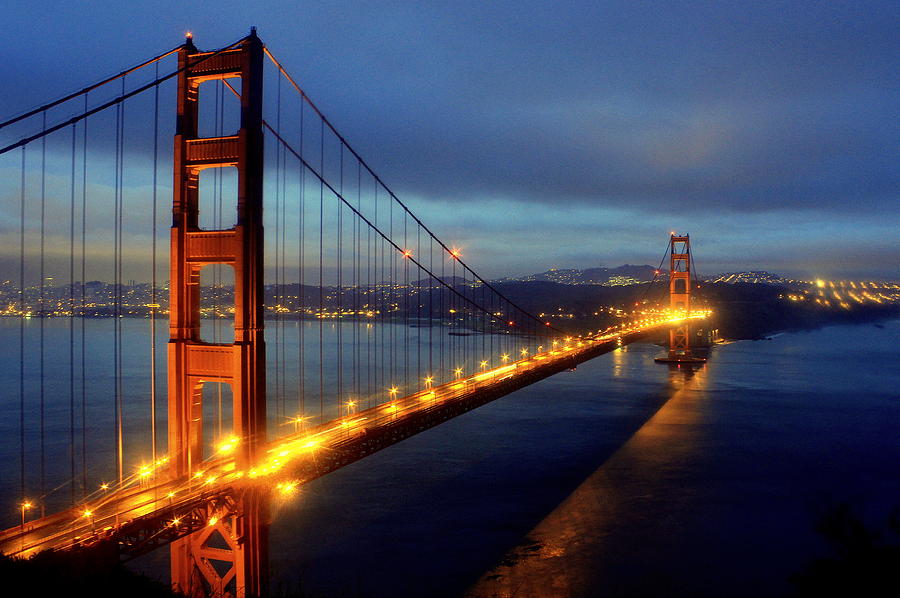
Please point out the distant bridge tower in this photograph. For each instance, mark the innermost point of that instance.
(229, 556)
(680, 301)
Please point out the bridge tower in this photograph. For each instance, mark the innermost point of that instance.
(229, 557)
(680, 301)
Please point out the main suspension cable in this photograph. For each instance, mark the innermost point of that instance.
(384, 236)
(89, 88)
(378, 180)
(115, 101)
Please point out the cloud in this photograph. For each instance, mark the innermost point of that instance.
(698, 115)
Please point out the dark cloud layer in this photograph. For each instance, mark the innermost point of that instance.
(683, 109)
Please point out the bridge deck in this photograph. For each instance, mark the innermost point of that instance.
(135, 520)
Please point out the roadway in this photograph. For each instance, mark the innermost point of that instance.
(145, 501)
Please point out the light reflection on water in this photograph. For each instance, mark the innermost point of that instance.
(559, 557)
(688, 485)
(617, 479)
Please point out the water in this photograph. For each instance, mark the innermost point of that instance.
(341, 361)
(621, 478)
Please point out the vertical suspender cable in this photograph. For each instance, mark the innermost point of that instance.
(357, 260)
(431, 318)
(301, 323)
(278, 287)
(153, 297)
(120, 158)
(378, 333)
(393, 258)
(371, 306)
(340, 285)
(419, 275)
(43, 313)
(405, 306)
(22, 331)
(72, 323)
(83, 301)
(442, 333)
(321, 273)
(283, 252)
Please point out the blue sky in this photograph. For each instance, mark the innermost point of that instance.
(569, 134)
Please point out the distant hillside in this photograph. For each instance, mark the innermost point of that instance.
(622, 275)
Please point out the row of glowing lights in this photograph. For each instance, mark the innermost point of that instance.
(856, 285)
(860, 297)
(229, 445)
(280, 456)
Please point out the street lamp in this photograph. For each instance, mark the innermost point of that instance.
(89, 514)
(24, 507)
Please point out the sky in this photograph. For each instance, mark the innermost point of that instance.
(568, 134)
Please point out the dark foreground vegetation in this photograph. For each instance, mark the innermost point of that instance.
(76, 574)
(864, 561)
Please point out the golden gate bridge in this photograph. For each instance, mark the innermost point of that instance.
(377, 329)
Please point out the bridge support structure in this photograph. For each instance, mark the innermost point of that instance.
(680, 301)
(229, 556)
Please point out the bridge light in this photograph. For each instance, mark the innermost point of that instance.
(228, 444)
(407, 254)
(504, 358)
(287, 488)
(104, 486)
(175, 522)
(483, 364)
(524, 352)
(189, 34)
(213, 520)
(87, 513)
(455, 253)
(458, 372)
